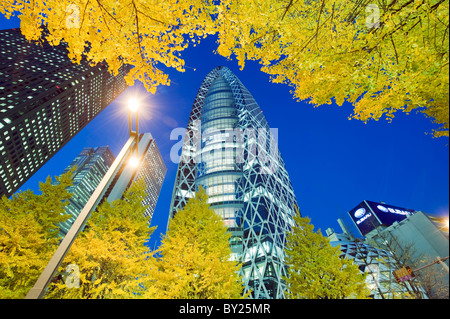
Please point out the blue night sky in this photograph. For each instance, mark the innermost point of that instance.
(334, 163)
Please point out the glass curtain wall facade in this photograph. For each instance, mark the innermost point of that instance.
(231, 151)
(151, 169)
(45, 100)
(91, 165)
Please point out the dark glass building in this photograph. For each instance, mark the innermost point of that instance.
(231, 151)
(91, 165)
(45, 100)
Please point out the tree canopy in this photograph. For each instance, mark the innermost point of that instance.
(315, 270)
(381, 56)
(29, 226)
(109, 258)
(195, 257)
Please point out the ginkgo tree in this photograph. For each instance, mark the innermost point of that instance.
(315, 268)
(194, 259)
(29, 234)
(380, 55)
(147, 35)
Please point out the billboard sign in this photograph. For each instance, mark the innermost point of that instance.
(363, 218)
(403, 274)
(388, 214)
(368, 215)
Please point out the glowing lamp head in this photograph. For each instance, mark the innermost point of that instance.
(133, 105)
(134, 162)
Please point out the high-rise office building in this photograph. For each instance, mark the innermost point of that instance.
(90, 167)
(151, 169)
(45, 100)
(93, 164)
(230, 150)
(377, 263)
(414, 237)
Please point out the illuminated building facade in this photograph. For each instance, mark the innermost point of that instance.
(415, 238)
(150, 168)
(231, 151)
(377, 263)
(45, 100)
(90, 167)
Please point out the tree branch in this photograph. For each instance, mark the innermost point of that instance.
(437, 5)
(147, 16)
(137, 28)
(318, 18)
(287, 9)
(82, 21)
(262, 36)
(395, 50)
(112, 17)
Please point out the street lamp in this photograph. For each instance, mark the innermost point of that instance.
(133, 106)
(130, 147)
(134, 162)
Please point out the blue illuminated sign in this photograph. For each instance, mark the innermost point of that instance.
(368, 215)
(388, 214)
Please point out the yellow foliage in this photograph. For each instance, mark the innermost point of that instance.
(381, 56)
(146, 34)
(29, 234)
(334, 50)
(195, 257)
(110, 253)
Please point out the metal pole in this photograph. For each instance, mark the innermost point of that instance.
(437, 260)
(441, 261)
(44, 279)
(129, 124)
(137, 133)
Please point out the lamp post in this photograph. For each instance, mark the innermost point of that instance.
(131, 146)
(133, 107)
